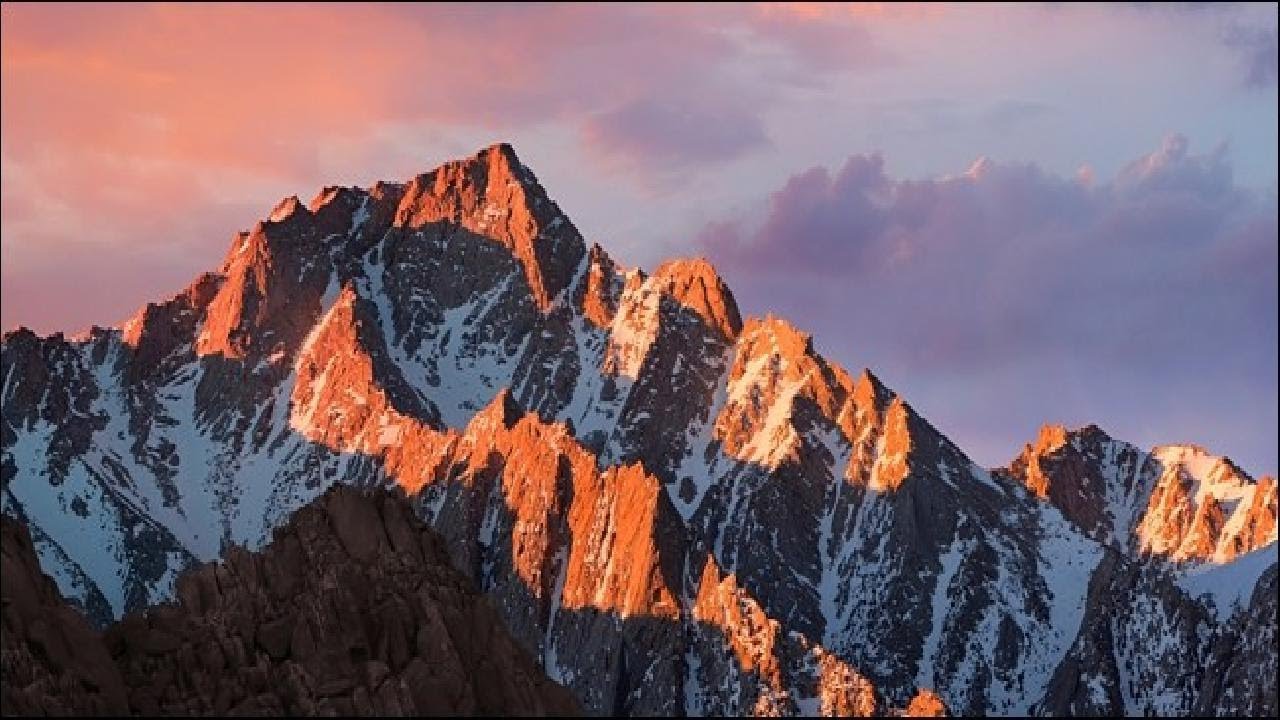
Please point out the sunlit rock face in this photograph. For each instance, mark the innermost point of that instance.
(672, 508)
(1177, 503)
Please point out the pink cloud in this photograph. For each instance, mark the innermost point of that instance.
(122, 124)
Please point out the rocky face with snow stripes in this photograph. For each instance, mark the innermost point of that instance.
(674, 509)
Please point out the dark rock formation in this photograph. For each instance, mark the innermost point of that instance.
(352, 609)
(51, 661)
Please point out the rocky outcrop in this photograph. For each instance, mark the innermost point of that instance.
(352, 609)
(51, 661)
(695, 284)
(749, 665)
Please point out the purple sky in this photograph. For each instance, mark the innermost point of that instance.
(1014, 214)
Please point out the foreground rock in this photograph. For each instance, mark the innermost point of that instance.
(51, 661)
(352, 609)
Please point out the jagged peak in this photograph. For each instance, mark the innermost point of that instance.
(328, 194)
(383, 189)
(1180, 451)
(597, 255)
(502, 156)
(1093, 433)
(634, 277)
(90, 334)
(196, 295)
(491, 168)
(492, 194)
(695, 284)
(787, 340)
(286, 209)
(600, 287)
(1198, 461)
(687, 268)
(20, 334)
(599, 261)
(869, 391)
(1051, 437)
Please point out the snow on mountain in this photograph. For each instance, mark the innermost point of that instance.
(1176, 503)
(1204, 508)
(1230, 585)
(675, 510)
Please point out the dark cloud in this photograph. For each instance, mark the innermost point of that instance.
(1153, 293)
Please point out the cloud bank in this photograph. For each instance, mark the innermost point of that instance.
(1007, 295)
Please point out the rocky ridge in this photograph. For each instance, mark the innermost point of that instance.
(1175, 503)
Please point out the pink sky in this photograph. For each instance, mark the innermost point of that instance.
(134, 140)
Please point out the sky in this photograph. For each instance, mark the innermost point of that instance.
(1012, 214)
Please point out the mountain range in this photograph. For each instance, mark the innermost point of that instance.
(673, 509)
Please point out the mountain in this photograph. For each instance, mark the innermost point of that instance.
(1176, 503)
(674, 510)
(352, 609)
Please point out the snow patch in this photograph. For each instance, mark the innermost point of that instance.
(1229, 586)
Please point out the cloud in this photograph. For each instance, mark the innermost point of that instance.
(668, 134)
(255, 86)
(125, 130)
(1161, 282)
(1257, 47)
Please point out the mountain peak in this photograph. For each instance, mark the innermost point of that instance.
(502, 155)
(494, 163)
(600, 291)
(1051, 437)
(495, 196)
(1179, 502)
(1179, 452)
(1204, 508)
(328, 194)
(286, 209)
(695, 284)
(869, 393)
(788, 340)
